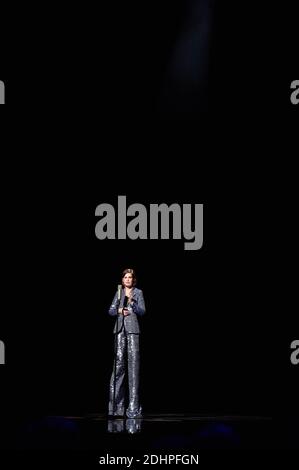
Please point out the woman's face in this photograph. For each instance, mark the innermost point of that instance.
(128, 280)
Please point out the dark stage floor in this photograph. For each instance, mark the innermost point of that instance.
(152, 432)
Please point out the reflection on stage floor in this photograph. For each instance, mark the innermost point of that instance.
(153, 432)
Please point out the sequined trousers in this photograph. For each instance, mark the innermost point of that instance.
(127, 360)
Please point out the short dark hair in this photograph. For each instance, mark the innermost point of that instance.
(130, 271)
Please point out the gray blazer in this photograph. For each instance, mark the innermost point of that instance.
(130, 322)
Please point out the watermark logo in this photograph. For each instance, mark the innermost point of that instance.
(2, 93)
(2, 353)
(295, 354)
(295, 94)
(158, 222)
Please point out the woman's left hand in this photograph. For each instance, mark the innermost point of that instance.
(126, 312)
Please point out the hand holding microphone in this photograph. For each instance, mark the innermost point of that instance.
(123, 311)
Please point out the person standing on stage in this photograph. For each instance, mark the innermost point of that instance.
(127, 305)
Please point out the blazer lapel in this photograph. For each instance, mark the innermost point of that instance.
(134, 294)
(122, 299)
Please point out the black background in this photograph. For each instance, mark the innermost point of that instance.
(216, 336)
(113, 59)
(219, 323)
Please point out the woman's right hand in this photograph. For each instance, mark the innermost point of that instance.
(123, 311)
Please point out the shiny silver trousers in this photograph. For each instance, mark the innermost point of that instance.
(127, 359)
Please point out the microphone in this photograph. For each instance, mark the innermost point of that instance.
(119, 287)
